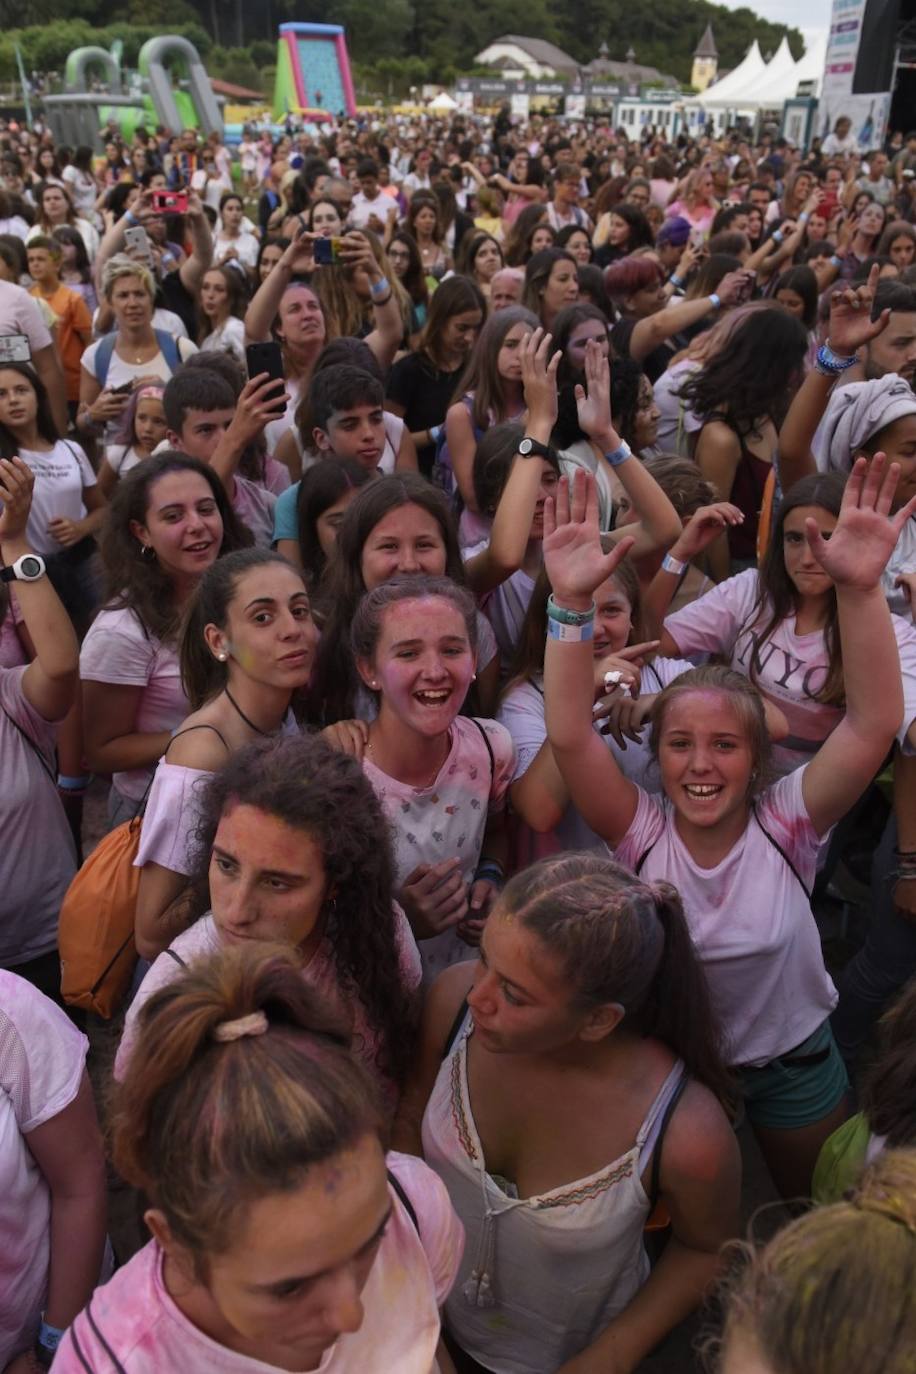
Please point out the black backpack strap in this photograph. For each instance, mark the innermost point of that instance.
(401, 1191)
(486, 739)
(177, 957)
(779, 850)
(455, 1028)
(660, 1140)
(189, 728)
(637, 868)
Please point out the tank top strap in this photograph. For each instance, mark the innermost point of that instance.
(648, 1133)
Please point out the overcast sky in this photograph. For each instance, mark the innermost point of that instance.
(814, 18)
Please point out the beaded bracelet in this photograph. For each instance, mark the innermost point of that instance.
(830, 364)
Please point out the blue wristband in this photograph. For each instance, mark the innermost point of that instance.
(777, 236)
(50, 1337)
(380, 287)
(715, 300)
(491, 871)
(131, 218)
(620, 455)
(434, 431)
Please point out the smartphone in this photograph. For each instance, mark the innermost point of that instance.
(124, 389)
(327, 252)
(137, 240)
(170, 202)
(267, 357)
(14, 348)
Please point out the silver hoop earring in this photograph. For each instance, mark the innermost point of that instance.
(147, 552)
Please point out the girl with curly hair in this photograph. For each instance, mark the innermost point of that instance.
(247, 646)
(292, 849)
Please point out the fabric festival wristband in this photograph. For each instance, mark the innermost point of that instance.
(620, 455)
(434, 431)
(715, 301)
(570, 634)
(379, 288)
(777, 236)
(804, 217)
(50, 1336)
(565, 616)
(491, 871)
(670, 564)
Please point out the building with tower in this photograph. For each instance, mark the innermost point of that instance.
(705, 61)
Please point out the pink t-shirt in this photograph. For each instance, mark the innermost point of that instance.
(448, 819)
(42, 1056)
(203, 939)
(789, 668)
(12, 654)
(37, 861)
(749, 918)
(414, 1268)
(118, 650)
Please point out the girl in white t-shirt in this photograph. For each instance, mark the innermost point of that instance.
(779, 626)
(141, 431)
(169, 520)
(222, 299)
(441, 777)
(743, 855)
(283, 1238)
(67, 506)
(52, 1176)
(288, 844)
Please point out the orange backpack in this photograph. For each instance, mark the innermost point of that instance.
(96, 930)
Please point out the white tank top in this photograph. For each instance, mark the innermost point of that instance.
(541, 1277)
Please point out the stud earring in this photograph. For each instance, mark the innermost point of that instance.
(222, 656)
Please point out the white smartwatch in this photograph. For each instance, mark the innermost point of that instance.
(28, 568)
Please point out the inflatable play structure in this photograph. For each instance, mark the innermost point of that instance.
(313, 72)
(151, 97)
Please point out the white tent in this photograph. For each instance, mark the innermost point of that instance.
(443, 101)
(776, 83)
(810, 67)
(729, 92)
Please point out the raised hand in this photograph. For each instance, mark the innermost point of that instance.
(851, 324)
(539, 377)
(866, 533)
(299, 257)
(17, 481)
(593, 405)
(705, 526)
(573, 557)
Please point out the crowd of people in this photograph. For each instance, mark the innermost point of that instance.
(477, 559)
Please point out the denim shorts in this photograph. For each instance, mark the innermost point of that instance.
(798, 1088)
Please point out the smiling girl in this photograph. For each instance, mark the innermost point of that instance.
(441, 777)
(743, 855)
(169, 520)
